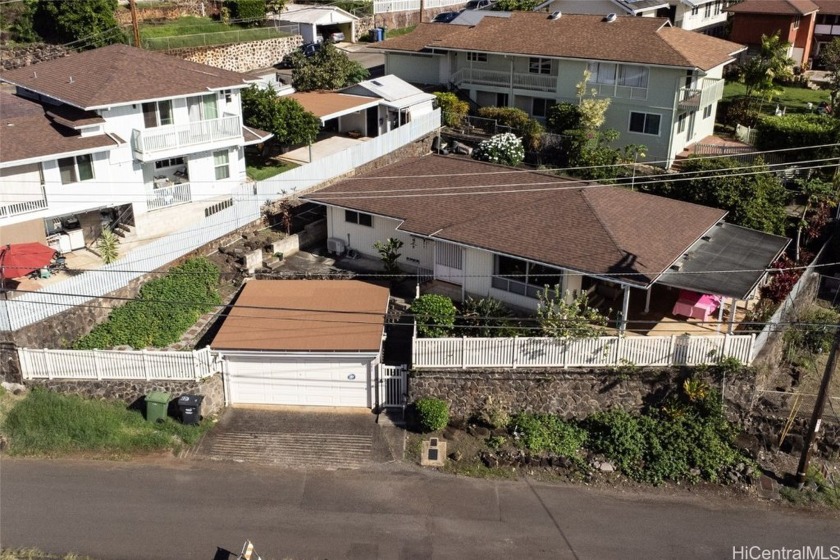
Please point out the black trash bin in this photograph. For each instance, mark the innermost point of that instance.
(190, 406)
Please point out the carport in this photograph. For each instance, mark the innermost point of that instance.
(314, 20)
(303, 342)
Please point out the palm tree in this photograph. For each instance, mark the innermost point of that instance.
(772, 62)
(108, 246)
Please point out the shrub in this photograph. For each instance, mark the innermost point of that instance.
(529, 129)
(814, 329)
(505, 149)
(432, 414)
(252, 10)
(563, 117)
(549, 433)
(620, 436)
(492, 414)
(434, 314)
(164, 309)
(486, 317)
(797, 130)
(453, 109)
(737, 111)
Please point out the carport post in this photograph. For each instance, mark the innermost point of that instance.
(720, 316)
(624, 306)
(733, 308)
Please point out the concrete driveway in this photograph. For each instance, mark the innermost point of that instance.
(301, 437)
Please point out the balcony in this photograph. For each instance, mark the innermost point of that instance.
(168, 141)
(495, 78)
(9, 209)
(168, 196)
(693, 99)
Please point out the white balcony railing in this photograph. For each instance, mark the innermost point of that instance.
(16, 208)
(619, 91)
(165, 138)
(692, 99)
(534, 82)
(164, 197)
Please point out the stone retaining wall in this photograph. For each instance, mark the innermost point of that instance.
(567, 393)
(242, 57)
(18, 57)
(166, 12)
(132, 391)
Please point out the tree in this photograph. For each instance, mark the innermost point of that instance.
(88, 22)
(514, 5)
(452, 108)
(389, 254)
(434, 315)
(593, 111)
(562, 117)
(18, 17)
(771, 63)
(830, 57)
(283, 116)
(527, 128)
(561, 318)
(754, 200)
(327, 69)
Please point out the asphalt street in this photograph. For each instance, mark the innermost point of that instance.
(202, 509)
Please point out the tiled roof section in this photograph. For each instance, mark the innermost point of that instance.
(588, 37)
(26, 132)
(831, 7)
(306, 316)
(324, 103)
(254, 135)
(73, 117)
(424, 35)
(777, 7)
(119, 74)
(538, 216)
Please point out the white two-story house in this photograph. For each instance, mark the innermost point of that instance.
(117, 136)
(663, 82)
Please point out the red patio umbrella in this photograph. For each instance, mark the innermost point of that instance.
(19, 259)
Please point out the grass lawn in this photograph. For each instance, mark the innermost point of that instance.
(35, 554)
(46, 423)
(390, 33)
(193, 31)
(261, 171)
(794, 98)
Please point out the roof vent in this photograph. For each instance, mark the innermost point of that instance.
(35, 75)
(610, 18)
(555, 15)
(71, 80)
(706, 238)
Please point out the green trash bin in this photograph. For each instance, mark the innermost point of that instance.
(157, 402)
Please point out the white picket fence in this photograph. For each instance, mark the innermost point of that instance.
(115, 364)
(607, 351)
(390, 6)
(309, 175)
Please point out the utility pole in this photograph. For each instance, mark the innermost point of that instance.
(819, 406)
(135, 25)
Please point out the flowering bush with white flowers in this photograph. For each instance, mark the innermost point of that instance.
(504, 148)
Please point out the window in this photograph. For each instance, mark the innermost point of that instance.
(521, 277)
(602, 72)
(157, 113)
(708, 11)
(501, 100)
(681, 123)
(539, 65)
(75, 169)
(477, 57)
(717, 7)
(796, 21)
(203, 108)
(218, 207)
(707, 111)
(222, 164)
(353, 217)
(540, 106)
(172, 162)
(645, 123)
(695, 10)
(627, 75)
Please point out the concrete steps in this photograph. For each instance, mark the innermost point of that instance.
(300, 450)
(126, 232)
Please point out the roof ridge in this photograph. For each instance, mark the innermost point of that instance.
(585, 195)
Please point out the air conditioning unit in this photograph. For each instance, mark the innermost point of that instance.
(335, 246)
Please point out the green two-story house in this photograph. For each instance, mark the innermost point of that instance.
(663, 82)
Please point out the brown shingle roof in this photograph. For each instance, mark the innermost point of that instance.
(538, 216)
(627, 39)
(831, 7)
(324, 103)
(778, 7)
(26, 132)
(119, 74)
(306, 316)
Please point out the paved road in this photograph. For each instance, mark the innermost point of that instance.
(197, 510)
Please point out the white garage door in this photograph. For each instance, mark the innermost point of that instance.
(295, 381)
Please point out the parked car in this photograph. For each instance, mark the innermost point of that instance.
(446, 17)
(308, 50)
(336, 37)
(478, 4)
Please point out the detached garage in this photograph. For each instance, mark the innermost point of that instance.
(303, 342)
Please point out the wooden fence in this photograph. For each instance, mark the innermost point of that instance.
(115, 364)
(608, 351)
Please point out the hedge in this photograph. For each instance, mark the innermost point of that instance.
(797, 130)
(246, 9)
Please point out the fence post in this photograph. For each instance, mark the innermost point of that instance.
(618, 348)
(196, 372)
(515, 351)
(671, 350)
(96, 364)
(49, 363)
(463, 352)
(144, 354)
(750, 349)
(726, 343)
(565, 343)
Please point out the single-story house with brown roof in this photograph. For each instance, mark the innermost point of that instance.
(505, 233)
(663, 82)
(303, 342)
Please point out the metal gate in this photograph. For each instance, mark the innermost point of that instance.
(393, 386)
(449, 263)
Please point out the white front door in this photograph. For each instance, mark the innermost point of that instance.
(449, 263)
